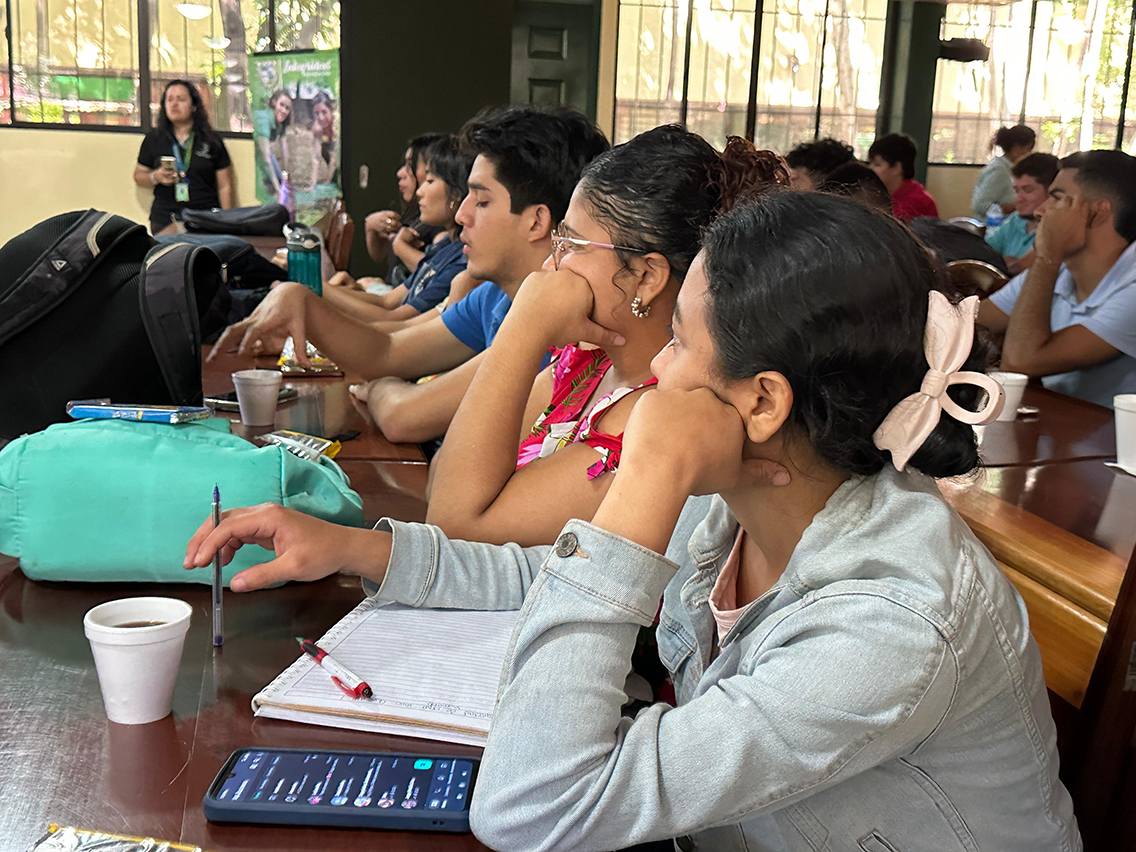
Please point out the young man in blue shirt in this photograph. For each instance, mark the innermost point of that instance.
(1071, 317)
(527, 163)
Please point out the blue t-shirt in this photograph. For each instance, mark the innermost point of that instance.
(430, 282)
(1011, 238)
(475, 319)
(1109, 312)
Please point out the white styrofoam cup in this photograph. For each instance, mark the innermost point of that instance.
(137, 666)
(1015, 385)
(257, 395)
(1124, 407)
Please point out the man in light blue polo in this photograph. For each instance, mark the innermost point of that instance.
(1071, 317)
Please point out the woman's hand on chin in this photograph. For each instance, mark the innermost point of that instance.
(698, 439)
(556, 305)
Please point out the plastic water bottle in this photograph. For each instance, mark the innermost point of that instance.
(304, 257)
(287, 196)
(994, 217)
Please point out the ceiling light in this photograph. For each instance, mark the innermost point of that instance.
(194, 11)
(217, 43)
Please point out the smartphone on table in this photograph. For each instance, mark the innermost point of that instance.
(287, 786)
(228, 401)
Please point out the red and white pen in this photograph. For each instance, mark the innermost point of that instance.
(341, 676)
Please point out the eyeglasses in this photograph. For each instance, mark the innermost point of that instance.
(562, 244)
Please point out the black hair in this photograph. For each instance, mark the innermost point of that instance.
(1041, 167)
(325, 99)
(418, 145)
(657, 192)
(820, 156)
(856, 181)
(202, 129)
(832, 295)
(1018, 136)
(278, 128)
(445, 159)
(537, 154)
(1111, 174)
(896, 148)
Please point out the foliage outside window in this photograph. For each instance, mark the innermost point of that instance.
(819, 67)
(811, 51)
(1068, 88)
(75, 62)
(82, 61)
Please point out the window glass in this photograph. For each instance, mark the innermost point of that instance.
(207, 43)
(307, 25)
(75, 61)
(810, 50)
(649, 60)
(1068, 86)
(5, 77)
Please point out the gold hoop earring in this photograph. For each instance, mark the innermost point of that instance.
(638, 309)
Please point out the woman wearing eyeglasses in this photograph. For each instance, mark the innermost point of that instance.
(619, 258)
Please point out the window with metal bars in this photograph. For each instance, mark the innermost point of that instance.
(77, 63)
(1062, 68)
(777, 71)
(784, 71)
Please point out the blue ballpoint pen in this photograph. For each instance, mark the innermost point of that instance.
(218, 629)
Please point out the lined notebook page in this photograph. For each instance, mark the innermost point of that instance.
(434, 673)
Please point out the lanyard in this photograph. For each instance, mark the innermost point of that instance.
(184, 166)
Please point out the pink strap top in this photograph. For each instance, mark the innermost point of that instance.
(576, 373)
(724, 596)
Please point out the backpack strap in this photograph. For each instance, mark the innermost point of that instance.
(59, 271)
(169, 311)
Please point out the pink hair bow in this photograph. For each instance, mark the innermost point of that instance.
(947, 343)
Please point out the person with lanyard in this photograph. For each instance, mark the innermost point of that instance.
(183, 160)
(852, 668)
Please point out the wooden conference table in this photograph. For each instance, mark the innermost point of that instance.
(1059, 521)
(61, 760)
(1061, 524)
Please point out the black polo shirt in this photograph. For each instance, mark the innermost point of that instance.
(209, 156)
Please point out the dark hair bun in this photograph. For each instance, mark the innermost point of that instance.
(743, 173)
(660, 190)
(833, 296)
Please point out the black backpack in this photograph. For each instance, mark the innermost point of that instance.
(263, 220)
(91, 306)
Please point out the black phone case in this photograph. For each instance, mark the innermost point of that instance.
(217, 810)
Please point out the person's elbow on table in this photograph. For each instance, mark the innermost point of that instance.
(402, 421)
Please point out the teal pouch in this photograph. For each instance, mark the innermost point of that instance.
(109, 500)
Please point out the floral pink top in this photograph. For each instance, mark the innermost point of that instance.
(575, 374)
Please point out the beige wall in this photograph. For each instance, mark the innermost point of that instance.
(951, 187)
(605, 95)
(46, 172)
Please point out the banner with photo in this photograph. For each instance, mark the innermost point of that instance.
(295, 114)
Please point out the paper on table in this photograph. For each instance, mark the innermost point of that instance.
(434, 673)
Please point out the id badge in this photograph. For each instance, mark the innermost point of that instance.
(181, 191)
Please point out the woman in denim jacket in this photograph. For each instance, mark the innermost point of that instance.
(853, 671)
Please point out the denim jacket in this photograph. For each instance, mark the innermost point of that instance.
(885, 695)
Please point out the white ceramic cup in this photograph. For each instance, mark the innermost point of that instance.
(1124, 406)
(257, 395)
(1015, 385)
(137, 666)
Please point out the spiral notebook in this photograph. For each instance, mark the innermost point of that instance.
(434, 673)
